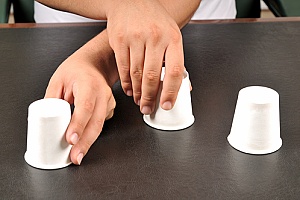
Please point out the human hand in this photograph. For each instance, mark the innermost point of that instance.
(142, 35)
(78, 80)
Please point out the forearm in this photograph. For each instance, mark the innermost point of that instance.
(181, 11)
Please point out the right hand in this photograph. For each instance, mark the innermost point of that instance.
(143, 34)
(78, 80)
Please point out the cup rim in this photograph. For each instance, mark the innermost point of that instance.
(276, 144)
(38, 165)
(186, 124)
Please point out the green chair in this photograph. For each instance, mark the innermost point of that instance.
(248, 8)
(4, 11)
(23, 10)
(284, 8)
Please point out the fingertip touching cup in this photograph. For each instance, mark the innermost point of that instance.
(180, 116)
(256, 123)
(47, 147)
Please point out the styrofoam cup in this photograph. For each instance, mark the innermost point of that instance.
(180, 116)
(256, 123)
(47, 147)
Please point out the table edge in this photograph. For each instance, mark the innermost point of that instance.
(223, 21)
(51, 25)
(246, 20)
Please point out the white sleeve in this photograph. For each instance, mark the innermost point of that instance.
(44, 14)
(215, 9)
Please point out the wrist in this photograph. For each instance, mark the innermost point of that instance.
(109, 6)
(99, 52)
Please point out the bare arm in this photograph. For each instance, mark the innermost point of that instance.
(97, 9)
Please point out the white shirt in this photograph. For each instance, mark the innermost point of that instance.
(208, 9)
(215, 9)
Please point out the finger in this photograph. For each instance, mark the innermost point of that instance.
(110, 108)
(110, 115)
(123, 62)
(84, 102)
(68, 96)
(191, 87)
(91, 133)
(137, 52)
(54, 89)
(151, 78)
(174, 74)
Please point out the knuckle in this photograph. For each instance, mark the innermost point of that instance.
(175, 36)
(88, 140)
(120, 37)
(176, 71)
(79, 126)
(110, 115)
(86, 145)
(155, 33)
(152, 76)
(137, 94)
(87, 106)
(124, 67)
(137, 35)
(172, 93)
(149, 98)
(137, 73)
(126, 84)
(99, 124)
(94, 87)
(113, 103)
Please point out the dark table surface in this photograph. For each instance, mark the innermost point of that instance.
(132, 160)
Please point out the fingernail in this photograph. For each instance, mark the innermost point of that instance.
(146, 110)
(74, 138)
(167, 105)
(138, 102)
(79, 158)
(129, 93)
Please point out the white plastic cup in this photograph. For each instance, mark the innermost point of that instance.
(256, 123)
(180, 116)
(47, 147)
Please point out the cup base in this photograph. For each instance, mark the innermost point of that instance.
(34, 164)
(243, 148)
(176, 127)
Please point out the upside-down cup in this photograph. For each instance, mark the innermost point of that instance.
(180, 116)
(256, 123)
(47, 147)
